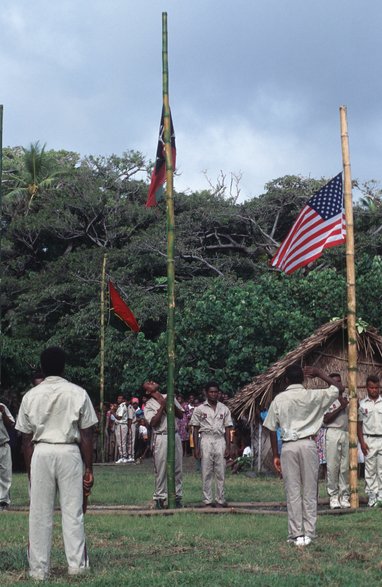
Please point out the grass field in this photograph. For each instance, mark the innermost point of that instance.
(192, 548)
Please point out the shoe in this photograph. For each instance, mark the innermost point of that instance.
(74, 571)
(209, 505)
(307, 540)
(345, 503)
(224, 504)
(300, 541)
(372, 502)
(178, 503)
(121, 460)
(159, 504)
(334, 503)
(129, 460)
(3, 506)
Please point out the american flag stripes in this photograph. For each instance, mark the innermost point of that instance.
(320, 225)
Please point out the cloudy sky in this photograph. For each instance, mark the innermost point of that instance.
(255, 85)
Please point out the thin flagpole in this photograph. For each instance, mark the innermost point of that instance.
(1, 215)
(170, 275)
(102, 359)
(351, 314)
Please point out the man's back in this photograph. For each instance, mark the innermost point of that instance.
(55, 410)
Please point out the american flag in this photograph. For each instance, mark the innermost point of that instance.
(320, 225)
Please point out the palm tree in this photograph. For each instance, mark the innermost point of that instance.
(38, 173)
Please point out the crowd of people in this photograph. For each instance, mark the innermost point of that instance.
(56, 421)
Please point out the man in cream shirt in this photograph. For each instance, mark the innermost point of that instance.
(299, 413)
(56, 419)
(156, 416)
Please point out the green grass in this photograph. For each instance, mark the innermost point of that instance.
(184, 549)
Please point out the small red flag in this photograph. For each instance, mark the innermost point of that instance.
(121, 309)
(158, 176)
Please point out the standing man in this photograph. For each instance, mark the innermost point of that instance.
(299, 412)
(370, 438)
(56, 419)
(337, 450)
(7, 422)
(132, 428)
(156, 416)
(121, 428)
(213, 420)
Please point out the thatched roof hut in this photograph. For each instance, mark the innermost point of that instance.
(326, 349)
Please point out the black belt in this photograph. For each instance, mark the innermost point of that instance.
(303, 438)
(374, 435)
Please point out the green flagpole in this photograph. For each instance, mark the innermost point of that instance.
(1, 215)
(102, 359)
(170, 276)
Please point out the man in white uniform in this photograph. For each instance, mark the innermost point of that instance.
(156, 416)
(212, 419)
(370, 438)
(132, 428)
(56, 419)
(299, 413)
(121, 428)
(337, 450)
(6, 423)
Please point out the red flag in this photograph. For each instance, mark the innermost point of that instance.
(121, 309)
(320, 225)
(158, 176)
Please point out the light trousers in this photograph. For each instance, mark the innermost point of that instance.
(121, 439)
(212, 450)
(5, 473)
(160, 466)
(56, 467)
(337, 462)
(373, 467)
(131, 441)
(300, 464)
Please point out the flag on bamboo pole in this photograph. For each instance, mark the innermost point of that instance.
(158, 176)
(320, 225)
(120, 309)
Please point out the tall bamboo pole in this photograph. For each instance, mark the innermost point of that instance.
(102, 359)
(1, 215)
(351, 313)
(170, 274)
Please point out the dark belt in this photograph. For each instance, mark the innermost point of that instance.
(303, 438)
(374, 435)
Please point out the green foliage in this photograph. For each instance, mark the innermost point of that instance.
(234, 315)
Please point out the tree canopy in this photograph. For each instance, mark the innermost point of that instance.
(235, 314)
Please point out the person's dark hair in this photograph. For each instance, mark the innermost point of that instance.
(335, 375)
(294, 373)
(211, 384)
(372, 379)
(52, 361)
(37, 375)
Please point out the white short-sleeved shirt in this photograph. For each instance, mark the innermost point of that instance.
(341, 421)
(151, 408)
(210, 420)
(55, 411)
(4, 436)
(370, 414)
(122, 412)
(299, 412)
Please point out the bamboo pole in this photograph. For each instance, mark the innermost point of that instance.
(170, 274)
(1, 215)
(351, 314)
(102, 359)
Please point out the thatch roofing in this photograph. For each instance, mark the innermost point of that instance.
(327, 349)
